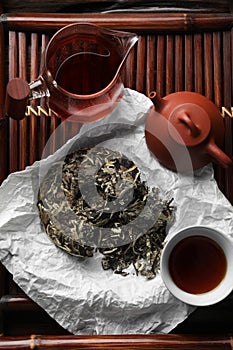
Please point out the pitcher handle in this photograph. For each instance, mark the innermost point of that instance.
(18, 94)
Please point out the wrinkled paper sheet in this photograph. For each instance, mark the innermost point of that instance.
(79, 294)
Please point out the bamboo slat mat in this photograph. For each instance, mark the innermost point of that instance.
(179, 58)
(166, 63)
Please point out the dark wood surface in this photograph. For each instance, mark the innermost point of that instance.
(195, 55)
(111, 5)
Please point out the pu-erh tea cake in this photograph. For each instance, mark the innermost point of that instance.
(94, 201)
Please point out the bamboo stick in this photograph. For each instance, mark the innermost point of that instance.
(208, 65)
(188, 64)
(3, 120)
(23, 145)
(169, 64)
(140, 73)
(43, 120)
(141, 22)
(3, 155)
(198, 64)
(150, 65)
(129, 72)
(227, 102)
(3, 274)
(34, 72)
(13, 127)
(218, 99)
(179, 61)
(217, 60)
(160, 69)
(111, 342)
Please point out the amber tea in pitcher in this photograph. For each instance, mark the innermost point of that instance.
(82, 66)
(81, 74)
(86, 73)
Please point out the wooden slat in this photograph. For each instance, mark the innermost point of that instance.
(3, 153)
(34, 72)
(1, 71)
(3, 274)
(169, 64)
(43, 119)
(14, 302)
(198, 64)
(160, 69)
(3, 120)
(188, 63)
(129, 71)
(150, 65)
(217, 60)
(141, 22)
(208, 64)
(3, 278)
(14, 137)
(129, 342)
(141, 68)
(218, 88)
(54, 138)
(179, 63)
(23, 139)
(227, 102)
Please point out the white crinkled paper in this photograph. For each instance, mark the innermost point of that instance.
(79, 294)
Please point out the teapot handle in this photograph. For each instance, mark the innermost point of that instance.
(218, 155)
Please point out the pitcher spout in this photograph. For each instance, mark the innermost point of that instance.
(119, 45)
(124, 42)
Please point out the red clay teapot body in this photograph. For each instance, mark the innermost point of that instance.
(185, 131)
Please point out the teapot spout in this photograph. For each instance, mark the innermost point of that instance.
(157, 100)
(218, 155)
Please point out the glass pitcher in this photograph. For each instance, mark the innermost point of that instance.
(80, 74)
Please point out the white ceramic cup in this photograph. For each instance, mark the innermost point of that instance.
(222, 289)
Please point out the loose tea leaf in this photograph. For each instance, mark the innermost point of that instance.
(95, 199)
(144, 253)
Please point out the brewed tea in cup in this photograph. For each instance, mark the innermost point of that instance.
(197, 265)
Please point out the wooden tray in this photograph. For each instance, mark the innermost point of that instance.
(176, 51)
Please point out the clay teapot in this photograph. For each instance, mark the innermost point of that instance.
(185, 131)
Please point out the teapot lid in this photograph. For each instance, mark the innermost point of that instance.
(189, 124)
